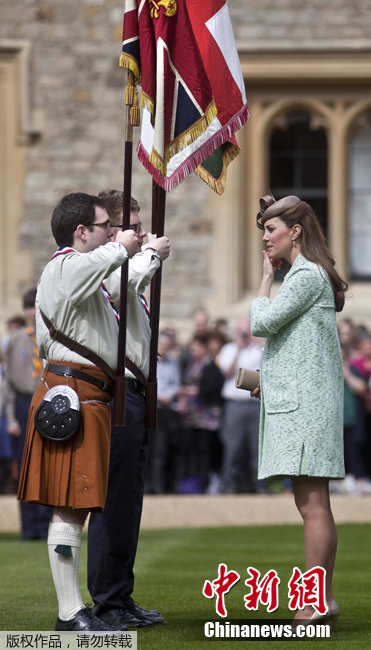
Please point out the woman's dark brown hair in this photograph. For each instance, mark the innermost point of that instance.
(291, 210)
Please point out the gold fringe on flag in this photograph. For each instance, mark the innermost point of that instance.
(128, 61)
(219, 184)
(216, 184)
(195, 131)
(211, 112)
(184, 139)
(147, 102)
(157, 162)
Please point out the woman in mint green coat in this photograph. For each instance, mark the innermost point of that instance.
(301, 384)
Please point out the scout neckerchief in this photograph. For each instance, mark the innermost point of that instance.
(37, 363)
(144, 304)
(62, 250)
(108, 297)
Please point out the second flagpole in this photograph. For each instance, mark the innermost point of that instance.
(158, 226)
(119, 405)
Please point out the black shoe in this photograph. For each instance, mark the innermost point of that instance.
(84, 620)
(121, 619)
(129, 603)
(144, 614)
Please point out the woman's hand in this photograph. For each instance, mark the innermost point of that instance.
(268, 270)
(256, 392)
(269, 267)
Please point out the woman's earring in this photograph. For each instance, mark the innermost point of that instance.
(293, 242)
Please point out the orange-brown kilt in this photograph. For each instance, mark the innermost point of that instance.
(72, 473)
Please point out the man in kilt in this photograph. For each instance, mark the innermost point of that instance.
(72, 475)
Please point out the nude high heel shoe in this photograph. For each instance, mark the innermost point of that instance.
(312, 620)
(333, 612)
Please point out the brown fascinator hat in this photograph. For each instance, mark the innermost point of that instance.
(270, 208)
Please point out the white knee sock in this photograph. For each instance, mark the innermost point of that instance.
(65, 570)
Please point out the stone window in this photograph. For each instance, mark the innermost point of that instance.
(359, 225)
(298, 162)
(309, 134)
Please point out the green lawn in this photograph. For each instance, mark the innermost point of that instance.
(170, 572)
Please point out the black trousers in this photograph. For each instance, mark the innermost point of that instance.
(162, 452)
(35, 518)
(113, 534)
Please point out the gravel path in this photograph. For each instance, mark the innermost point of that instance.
(173, 511)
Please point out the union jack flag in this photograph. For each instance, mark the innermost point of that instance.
(184, 55)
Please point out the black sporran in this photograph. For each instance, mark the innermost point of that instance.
(58, 416)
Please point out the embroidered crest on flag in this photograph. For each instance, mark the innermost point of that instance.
(169, 5)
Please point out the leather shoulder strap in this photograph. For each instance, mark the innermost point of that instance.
(135, 370)
(74, 346)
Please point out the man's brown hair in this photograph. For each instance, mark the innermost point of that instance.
(113, 203)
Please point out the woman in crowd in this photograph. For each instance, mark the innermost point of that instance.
(360, 366)
(356, 477)
(200, 407)
(301, 385)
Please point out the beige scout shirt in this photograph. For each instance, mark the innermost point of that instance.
(69, 293)
(19, 369)
(138, 332)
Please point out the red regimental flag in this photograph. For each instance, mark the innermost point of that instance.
(192, 87)
(214, 35)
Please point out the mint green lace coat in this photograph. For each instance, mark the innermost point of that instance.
(302, 384)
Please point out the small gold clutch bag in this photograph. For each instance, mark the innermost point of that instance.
(247, 379)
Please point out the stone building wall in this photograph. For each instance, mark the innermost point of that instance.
(76, 94)
(289, 23)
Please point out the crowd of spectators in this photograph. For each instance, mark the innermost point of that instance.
(8, 465)
(21, 370)
(356, 351)
(207, 436)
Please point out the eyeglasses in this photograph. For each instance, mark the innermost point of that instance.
(137, 227)
(104, 224)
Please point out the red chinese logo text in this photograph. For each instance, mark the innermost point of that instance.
(219, 587)
(311, 591)
(265, 591)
